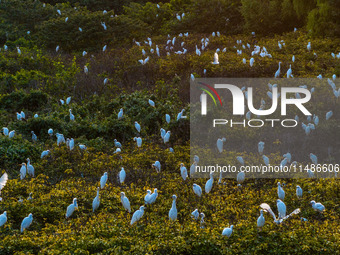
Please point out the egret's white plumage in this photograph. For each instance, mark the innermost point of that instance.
(317, 206)
(71, 115)
(120, 113)
(260, 220)
(195, 214)
(70, 209)
(138, 141)
(228, 231)
(30, 168)
(153, 196)
(3, 218)
(173, 210)
(137, 215)
(122, 175)
(280, 191)
(209, 183)
(219, 144)
(184, 171)
(240, 177)
(103, 180)
(298, 191)
(281, 207)
(197, 189)
(26, 222)
(137, 126)
(96, 201)
(157, 166)
(125, 202)
(260, 147)
(147, 197)
(23, 171)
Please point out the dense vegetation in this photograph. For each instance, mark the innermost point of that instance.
(35, 78)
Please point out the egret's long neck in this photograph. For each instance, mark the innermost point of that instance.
(174, 204)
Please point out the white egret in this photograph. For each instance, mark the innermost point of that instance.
(280, 191)
(309, 46)
(44, 153)
(265, 159)
(240, 159)
(122, 175)
(329, 115)
(240, 177)
(120, 113)
(137, 215)
(71, 115)
(157, 166)
(138, 141)
(153, 196)
(96, 201)
(117, 144)
(209, 183)
(277, 74)
(173, 210)
(82, 146)
(197, 190)
(70, 209)
(137, 126)
(215, 59)
(167, 137)
(260, 147)
(313, 158)
(86, 70)
(227, 231)
(151, 103)
(184, 172)
(23, 171)
(103, 180)
(125, 202)
(5, 131)
(34, 136)
(317, 206)
(30, 168)
(289, 72)
(260, 220)
(298, 191)
(147, 197)
(195, 214)
(68, 100)
(219, 144)
(11, 134)
(281, 207)
(251, 62)
(26, 222)
(3, 218)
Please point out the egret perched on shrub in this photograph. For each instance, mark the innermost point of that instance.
(317, 206)
(26, 222)
(281, 207)
(11, 134)
(147, 196)
(228, 231)
(151, 103)
(138, 140)
(209, 183)
(44, 153)
(173, 210)
(277, 74)
(193, 169)
(71, 115)
(240, 159)
(197, 189)
(120, 113)
(137, 215)
(125, 202)
(167, 118)
(184, 171)
(30, 168)
(195, 214)
(103, 180)
(96, 201)
(23, 171)
(82, 146)
(260, 147)
(70, 209)
(313, 158)
(34, 137)
(219, 144)
(260, 220)
(3, 218)
(167, 137)
(157, 166)
(240, 177)
(180, 115)
(329, 115)
(122, 175)
(215, 59)
(3, 181)
(117, 144)
(251, 62)
(5, 131)
(298, 191)
(137, 126)
(68, 100)
(153, 196)
(280, 191)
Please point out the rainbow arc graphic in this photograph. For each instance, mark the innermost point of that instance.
(209, 93)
